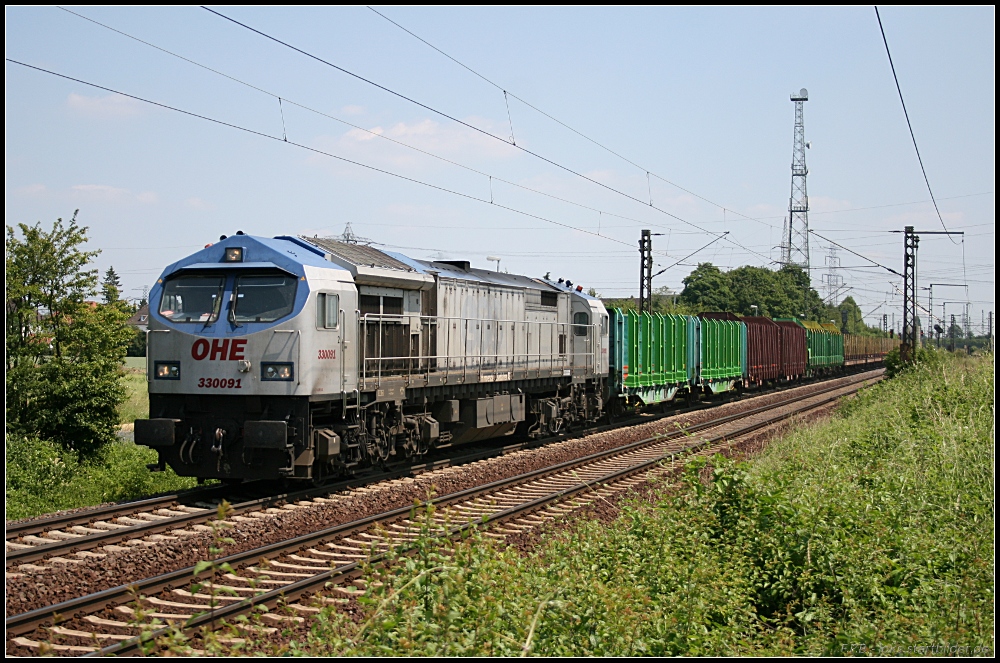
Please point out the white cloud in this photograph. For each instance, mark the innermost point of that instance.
(112, 106)
(100, 192)
(445, 140)
(371, 134)
(199, 203)
(112, 194)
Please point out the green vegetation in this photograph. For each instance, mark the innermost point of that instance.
(64, 353)
(136, 402)
(785, 293)
(43, 477)
(872, 530)
(68, 390)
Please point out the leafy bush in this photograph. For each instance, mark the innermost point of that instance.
(927, 356)
(42, 476)
(873, 529)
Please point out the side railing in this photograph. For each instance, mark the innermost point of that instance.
(469, 349)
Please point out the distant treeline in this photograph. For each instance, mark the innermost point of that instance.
(783, 293)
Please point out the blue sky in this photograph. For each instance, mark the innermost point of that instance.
(699, 97)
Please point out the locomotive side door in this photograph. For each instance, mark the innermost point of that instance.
(582, 333)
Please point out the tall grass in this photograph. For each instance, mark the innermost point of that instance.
(43, 477)
(136, 403)
(871, 533)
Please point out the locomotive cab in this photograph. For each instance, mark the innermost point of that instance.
(306, 357)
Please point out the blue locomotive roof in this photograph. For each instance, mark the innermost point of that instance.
(280, 252)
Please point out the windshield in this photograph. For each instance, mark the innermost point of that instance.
(263, 298)
(192, 298)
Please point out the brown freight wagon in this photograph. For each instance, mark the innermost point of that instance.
(794, 352)
(763, 349)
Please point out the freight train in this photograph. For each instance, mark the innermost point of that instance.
(308, 358)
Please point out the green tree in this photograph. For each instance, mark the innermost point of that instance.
(111, 289)
(707, 289)
(64, 354)
(137, 344)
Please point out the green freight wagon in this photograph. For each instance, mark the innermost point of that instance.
(723, 352)
(836, 341)
(825, 344)
(649, 356)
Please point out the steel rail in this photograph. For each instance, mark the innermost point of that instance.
(305, 586)
(61, 520)
(58, 547)
(29, 621)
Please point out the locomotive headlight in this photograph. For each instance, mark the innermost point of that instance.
(275, 371)
(234, 254)
(167, 370)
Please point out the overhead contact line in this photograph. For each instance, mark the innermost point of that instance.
(563, 124)
(374, 134)
(318, 151)
(483, 132)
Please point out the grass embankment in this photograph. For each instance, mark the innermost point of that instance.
(42, 477)
(136, 405)
(872, 530)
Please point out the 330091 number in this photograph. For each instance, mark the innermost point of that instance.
(219, 383)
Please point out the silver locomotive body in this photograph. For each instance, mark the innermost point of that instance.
(307, 357)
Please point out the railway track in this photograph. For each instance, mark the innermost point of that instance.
(85, 535)
(297, 571)
(71, 538)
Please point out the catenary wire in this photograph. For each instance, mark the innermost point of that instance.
(312, 149)
(908, 124)
(482, 131)
(355, 126)
(317, 151)
(588, 138)
(563, 124)
(889, 269)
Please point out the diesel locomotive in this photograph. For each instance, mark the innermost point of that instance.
(307, 357)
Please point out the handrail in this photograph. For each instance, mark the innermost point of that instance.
(462, 358)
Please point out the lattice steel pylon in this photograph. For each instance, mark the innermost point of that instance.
(795, 242)
(832, 280)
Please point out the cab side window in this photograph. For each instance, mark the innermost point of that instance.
(579, 321)
(327, 310)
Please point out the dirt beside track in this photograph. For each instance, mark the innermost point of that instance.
(36, 587)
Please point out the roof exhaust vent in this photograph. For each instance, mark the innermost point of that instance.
(464, 265)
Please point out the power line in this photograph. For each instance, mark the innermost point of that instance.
(889, 269)
(352, 125)
(477, 129)
(561, 123)
(317, 151)
(910, 126)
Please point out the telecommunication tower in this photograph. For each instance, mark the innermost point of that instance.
(795, 242)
